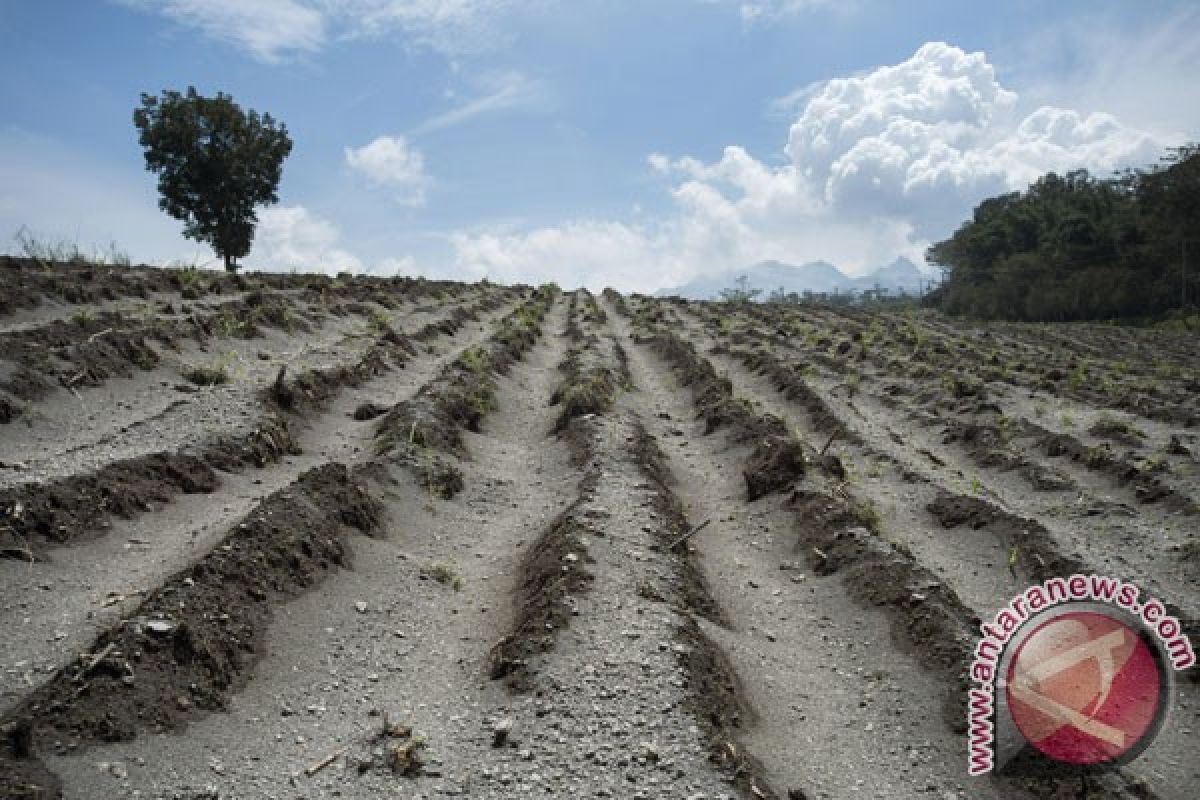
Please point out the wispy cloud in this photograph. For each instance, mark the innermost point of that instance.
(755, 12)
(451, 27)
(502, 92)
(1143, 70)
(763, 10)
(269, 30)
(792, 103)
(273, 31)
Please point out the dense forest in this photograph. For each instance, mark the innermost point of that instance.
(1074, 247)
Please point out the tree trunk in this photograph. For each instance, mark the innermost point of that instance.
(229, 265)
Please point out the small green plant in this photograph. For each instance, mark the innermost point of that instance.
(83, 317)
(377, 321)
(207, 376)
(215, 374)
(475, 359)
(1014, 554)
(1068, 420)
(1078, 375)
(1006, 426)
(1157, 463)
(1097, 457)
(1108, 425)
(446, 576)
(232, 326)
(868, 515)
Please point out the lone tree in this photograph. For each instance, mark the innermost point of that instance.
(215, 163)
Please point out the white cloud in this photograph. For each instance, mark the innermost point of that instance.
(1144, 71)
(927, 138)
(502, 91)
(765, 11)
(269, 30)
(658, 162)
(390, 161)
(879, 164)
(762, 10)
(451, 27)
(587, 252)
(273, 30)
(292, 237)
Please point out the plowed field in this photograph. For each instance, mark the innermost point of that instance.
(287, 536)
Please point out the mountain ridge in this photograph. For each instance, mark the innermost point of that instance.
(813, 276)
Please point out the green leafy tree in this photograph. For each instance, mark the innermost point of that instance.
(215, 164)
(1076, 247)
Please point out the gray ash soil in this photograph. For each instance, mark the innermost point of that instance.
(656, 574)
(91, 582)
(915, 501)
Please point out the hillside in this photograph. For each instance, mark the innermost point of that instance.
(294, 536)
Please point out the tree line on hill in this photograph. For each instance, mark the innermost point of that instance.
(1074, 247)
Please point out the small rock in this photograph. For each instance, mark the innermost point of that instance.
(360, 607)
(501, 730)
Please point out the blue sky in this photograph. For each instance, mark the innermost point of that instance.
(593, 142)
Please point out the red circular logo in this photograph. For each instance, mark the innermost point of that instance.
(1084, 688)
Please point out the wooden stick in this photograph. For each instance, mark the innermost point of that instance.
(98, 657)
(832, 436)
(689, 534)
(326, 761)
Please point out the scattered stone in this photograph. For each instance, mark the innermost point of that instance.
(160, 627)
(501, 731)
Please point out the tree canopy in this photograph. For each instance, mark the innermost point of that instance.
(1075, 247)
(215, 164)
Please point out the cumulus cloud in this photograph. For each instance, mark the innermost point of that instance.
(938, 132)
(878, 165)
(274, 30)
(390, 161)
(292, 237)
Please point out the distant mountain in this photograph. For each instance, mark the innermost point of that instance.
(900, 274)
(815, 276)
